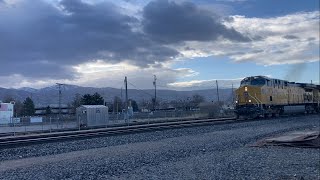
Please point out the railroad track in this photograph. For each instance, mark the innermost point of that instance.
(20, 133)
(14, 141)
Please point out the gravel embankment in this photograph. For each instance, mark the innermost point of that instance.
(210, 152)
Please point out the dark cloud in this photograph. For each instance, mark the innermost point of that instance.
(169, 22)
(311, 39)
(279, 52)
(41, 40)
(257, 51)
(290, 37)
(42, 70)
(37, 32)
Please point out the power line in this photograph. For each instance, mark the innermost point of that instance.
(141, 89)
(164, 86)
(145, 92)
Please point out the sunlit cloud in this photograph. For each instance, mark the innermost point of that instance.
(224, 83)
(289, 39)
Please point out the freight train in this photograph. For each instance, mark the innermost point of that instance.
(260, 96)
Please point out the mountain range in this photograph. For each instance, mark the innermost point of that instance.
(50, 95)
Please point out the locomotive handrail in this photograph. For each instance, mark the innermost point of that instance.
(256, 99)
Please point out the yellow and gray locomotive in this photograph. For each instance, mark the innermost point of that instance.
(260, 96)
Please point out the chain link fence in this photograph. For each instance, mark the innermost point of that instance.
(25, 125)
(38, 124)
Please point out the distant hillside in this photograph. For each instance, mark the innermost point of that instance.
(49, 95)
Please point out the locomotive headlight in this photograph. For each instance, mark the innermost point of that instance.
(246, 88)
(236, 101)
(249, 100)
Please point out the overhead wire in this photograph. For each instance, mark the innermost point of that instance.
(151, 95)
(140, 89)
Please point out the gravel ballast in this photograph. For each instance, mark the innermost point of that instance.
(208, 152)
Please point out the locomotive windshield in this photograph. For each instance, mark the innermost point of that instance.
(255, 81)
(245, 81)
(258, 81)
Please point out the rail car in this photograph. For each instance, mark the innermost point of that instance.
(260, 96)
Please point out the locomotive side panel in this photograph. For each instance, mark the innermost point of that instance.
(296, 95)
(274, 96)
(316, 94)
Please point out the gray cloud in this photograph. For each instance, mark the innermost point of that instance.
(311, 39)
(290, 37)
(169, 22)
(39, 40)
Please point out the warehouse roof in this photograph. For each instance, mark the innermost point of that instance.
(94, 106)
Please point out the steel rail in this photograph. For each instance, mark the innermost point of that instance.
(21, 133)
(13, 141)
(60, 136)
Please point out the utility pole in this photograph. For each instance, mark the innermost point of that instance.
(59, 86)
(114, 108)
(121, 93)
(217, 91)
(232, 95)
(120, 104)
(126, 86)
(155, 91)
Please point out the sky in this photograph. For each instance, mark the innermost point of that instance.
(188, 45)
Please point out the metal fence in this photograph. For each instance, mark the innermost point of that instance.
(24, 125)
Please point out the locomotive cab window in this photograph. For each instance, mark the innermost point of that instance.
(269, 82)
(245, 81)
(274, 83)
(285, 84)
(258, 82)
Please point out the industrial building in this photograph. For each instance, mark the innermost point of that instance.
(6, 112)
(92, 115)
(41, 110)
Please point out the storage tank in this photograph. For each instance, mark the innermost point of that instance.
(293, 109)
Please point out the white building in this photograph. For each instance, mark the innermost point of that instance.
(6, 112)
(92, 115)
